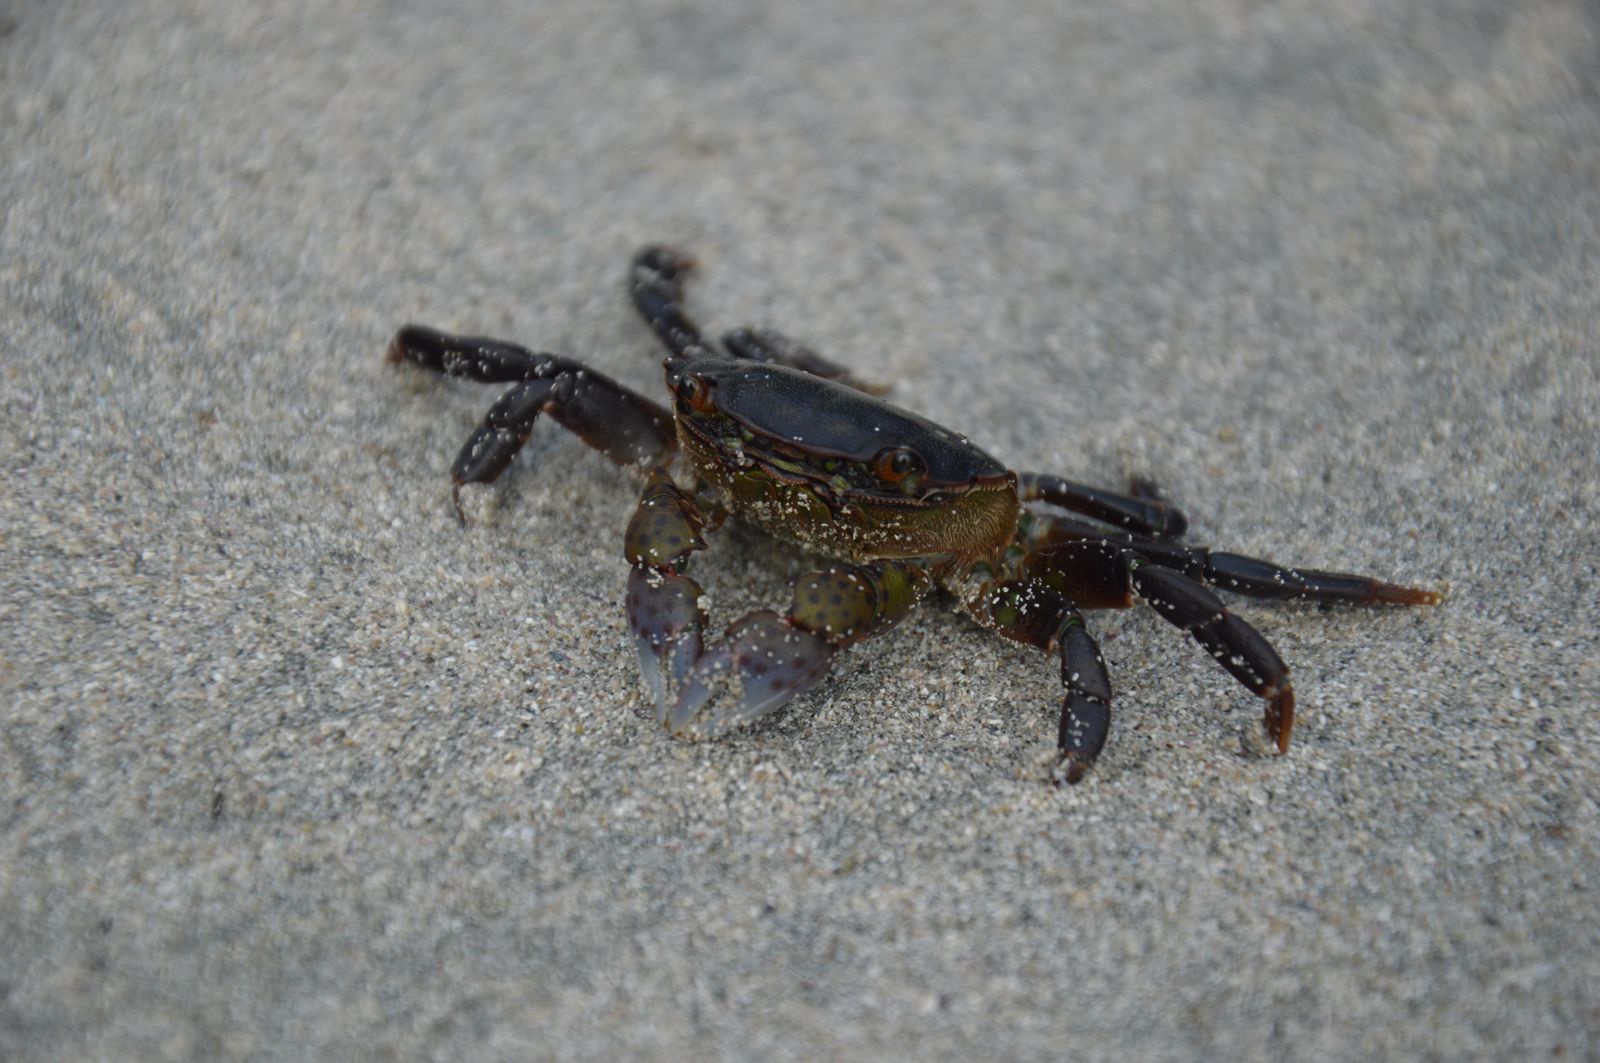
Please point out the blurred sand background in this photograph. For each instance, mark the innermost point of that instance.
(292, 766)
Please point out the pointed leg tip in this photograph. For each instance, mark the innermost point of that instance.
(1280, 715)
(666, 260)
(412, 338)
(1070, 769)
(1396, 594)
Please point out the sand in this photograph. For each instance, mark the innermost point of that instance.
(293, 766)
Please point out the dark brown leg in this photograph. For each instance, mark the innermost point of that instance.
(767, 345)
(1099, 569)
(656, 285)
(1030, 611)
(623, 425)
(1249, 576)
(1141, 512)
(1238, 647)
(1099, 573)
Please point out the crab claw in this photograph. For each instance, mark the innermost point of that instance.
(761, 662)
(667, 622)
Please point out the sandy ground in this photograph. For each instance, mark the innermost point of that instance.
(292, 766)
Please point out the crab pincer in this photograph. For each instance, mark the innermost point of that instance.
(667, 621)
(764, 659)
(665, 612)
(760, 664)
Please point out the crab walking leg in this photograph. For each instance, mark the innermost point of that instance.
(1249, 576)
(764, 660)
(624, 426)
(657, 290)
(1030, 611)
(1256, 578)
(1102, 574)
(656, 285)
(771, 346)
(1238, 647)
(1141, 515)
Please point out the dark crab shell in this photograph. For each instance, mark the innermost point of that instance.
(831, 420)
(796, 426)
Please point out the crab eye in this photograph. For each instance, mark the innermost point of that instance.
(695, 391)
(896, 464)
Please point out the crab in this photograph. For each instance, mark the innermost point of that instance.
(770, 431)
